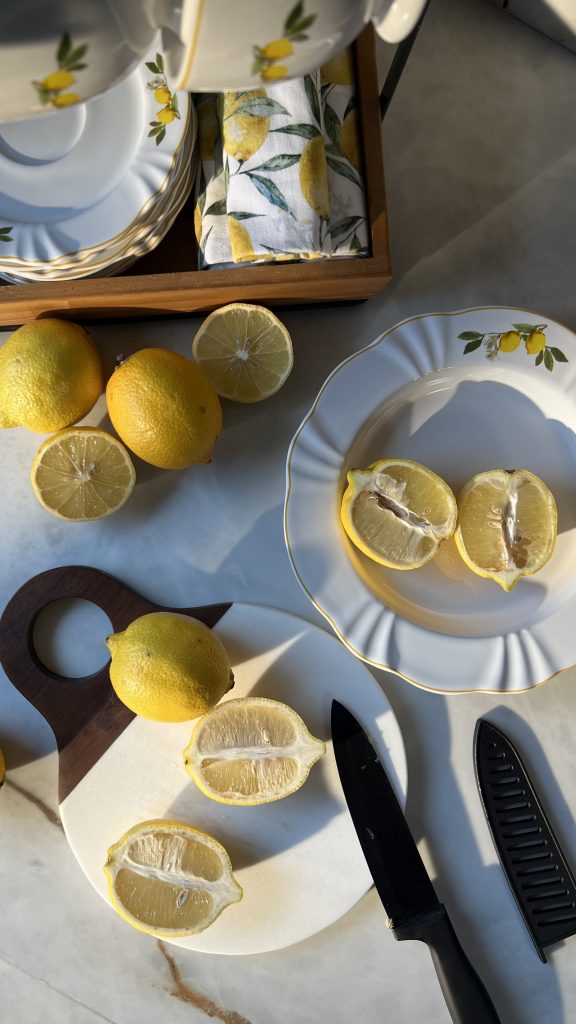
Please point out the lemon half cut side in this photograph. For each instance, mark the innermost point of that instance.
(244, 351)
(507, 525)
(82, 473)
(397, 512)
(251, 750)
(169, 879)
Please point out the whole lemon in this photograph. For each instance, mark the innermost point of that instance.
(50, 376)
(277, 49)
(164, 409)
(169, 667)
(535, 342)
(509, 341)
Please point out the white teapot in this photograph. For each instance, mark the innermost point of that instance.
(55, 53)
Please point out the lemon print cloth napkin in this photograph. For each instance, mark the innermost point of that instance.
(280, 175)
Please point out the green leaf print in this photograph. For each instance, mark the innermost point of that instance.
(217, 209)
(279, 162)
(258, 107)
(269, 190)
(333, 126)
(558, 355)
(5, 234)
(525, 328)
(312, 94)
(344, 226)
(305, 131)
(294, 17)
(345, 170)
(548, 359)
(243, 215)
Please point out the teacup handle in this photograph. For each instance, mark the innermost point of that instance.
(394, 20)
(85, 714)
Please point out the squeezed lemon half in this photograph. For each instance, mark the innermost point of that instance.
(82, 473)
(397, 512)
(251, 751)
(244, 351)
(507, 525)
(169, 879)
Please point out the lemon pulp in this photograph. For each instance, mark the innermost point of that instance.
(397, 512)
(244, 351)
(251, 751)
(170, 879)
(82, 473)
(507, 525)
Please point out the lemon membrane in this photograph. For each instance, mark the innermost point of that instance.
(507, 525)
(397, 512)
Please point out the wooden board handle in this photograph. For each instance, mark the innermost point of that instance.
(84, 714)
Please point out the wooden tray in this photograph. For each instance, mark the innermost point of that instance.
(167, 281)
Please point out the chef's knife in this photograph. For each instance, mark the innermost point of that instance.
(399, 875)
(533, 862)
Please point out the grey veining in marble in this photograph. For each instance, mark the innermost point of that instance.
(480, 155)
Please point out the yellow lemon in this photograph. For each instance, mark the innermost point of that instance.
(243, 134)
(82, 473)
(66, 99)
(509, 341)
(162, 94)
(169, 879)
(50, 376)
(507, 525)
(240, 241)
(166, 115)
(350, 139)
(245, 352)
(208, 128)
(535, 342)
(314, 177)
(277, 49)
(58, 80)
(197, 223)
(339, 70)
(164, 409)
(273, 73)
(397, 512)
(251, 751)
(169, 667)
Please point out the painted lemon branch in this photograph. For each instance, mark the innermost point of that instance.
(266, 57)
(52, 89)
(532, 335)
(162, 94)
(5, 235)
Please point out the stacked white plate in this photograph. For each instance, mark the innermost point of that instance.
(88, 189)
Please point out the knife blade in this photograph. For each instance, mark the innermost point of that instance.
(399, 875)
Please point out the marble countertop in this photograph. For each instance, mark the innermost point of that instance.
(480, 155)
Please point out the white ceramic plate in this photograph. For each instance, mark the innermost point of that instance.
(54, 236)
(129, 247)
(298, 860)
(414, 393)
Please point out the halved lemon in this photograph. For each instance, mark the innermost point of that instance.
(244, 351)
(251, 751)
(170, 879)
(397, 512)
(507, 525)
(82, 473)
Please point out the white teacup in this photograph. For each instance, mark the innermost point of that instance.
(55, 53)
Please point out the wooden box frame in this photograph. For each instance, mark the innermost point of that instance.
(166, 282)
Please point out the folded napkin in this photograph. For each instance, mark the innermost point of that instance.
(280, 172)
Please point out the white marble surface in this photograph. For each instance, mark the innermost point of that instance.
(480, 150)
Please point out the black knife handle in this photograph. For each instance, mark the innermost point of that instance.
(465, 995)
